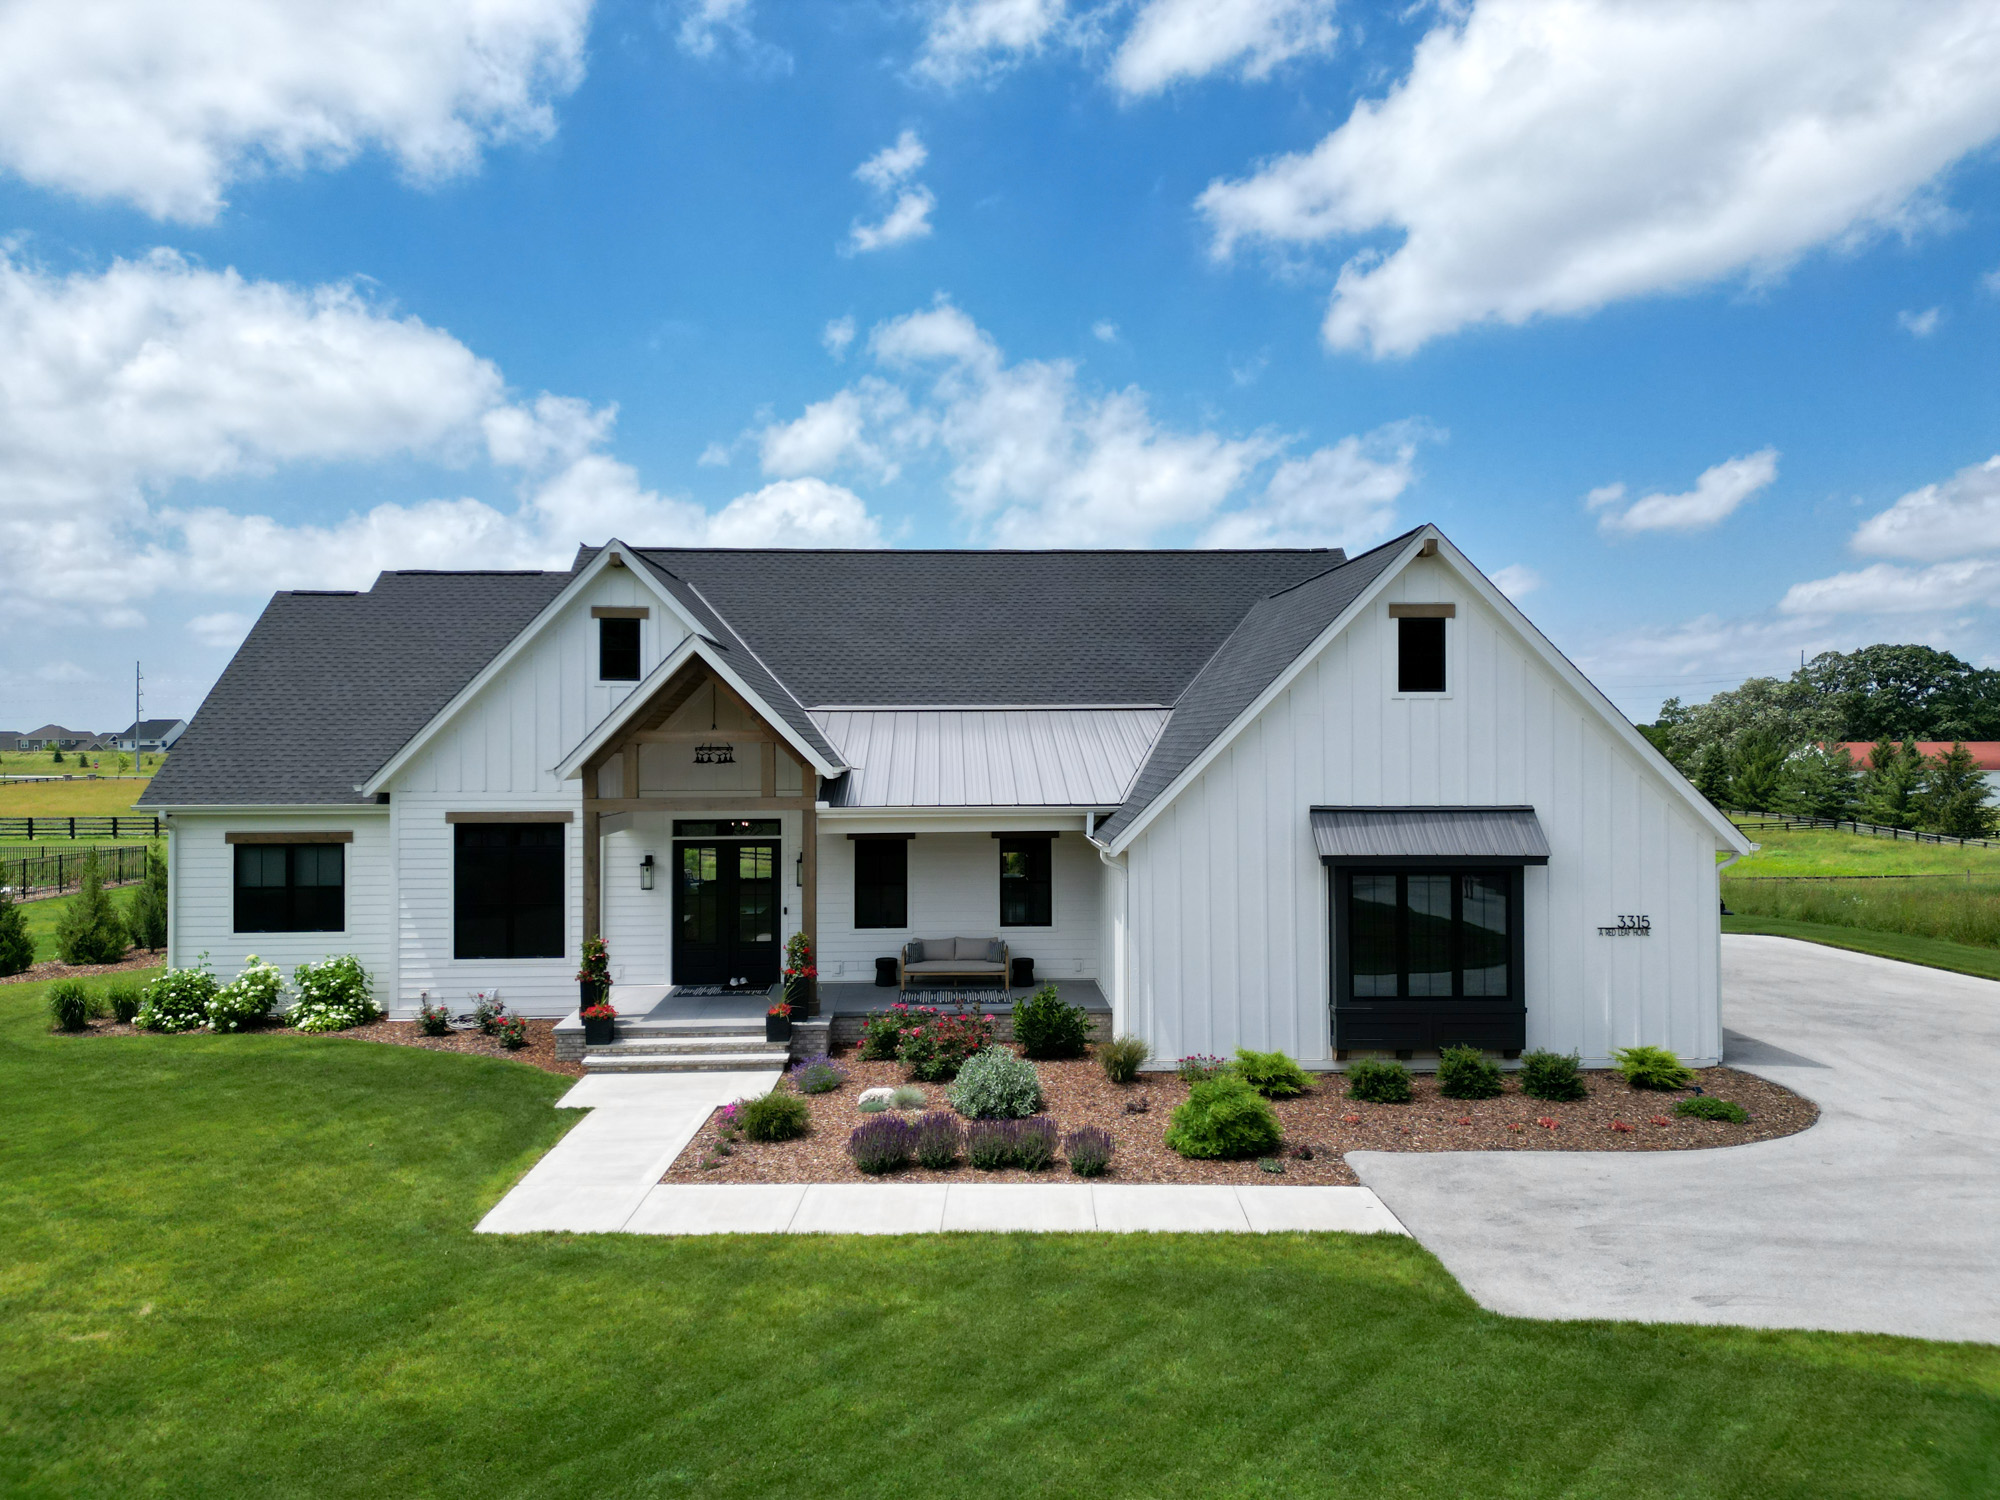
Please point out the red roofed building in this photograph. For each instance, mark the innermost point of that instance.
(1986, 753)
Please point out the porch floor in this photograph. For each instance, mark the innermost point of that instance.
(658, 1006)
(859, 999)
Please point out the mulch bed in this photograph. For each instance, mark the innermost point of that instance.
(1324, 1123)
(138, 958)
(539, 1053)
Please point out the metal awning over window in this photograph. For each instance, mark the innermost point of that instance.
(1429, 835)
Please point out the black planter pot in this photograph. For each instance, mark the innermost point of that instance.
(589, 991)
(599, 1031)
(777, 1028)
(799, 995)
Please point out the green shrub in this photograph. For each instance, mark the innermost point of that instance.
(774, 1117)
(1708, 1107)
(1552, 1075)
(69, 1005)
(334, 994)
(250, 996)
(881, 1034)
(907, 1096)
(1223, 1117)
(996, 1085)
(17, 949)
(1652, 1068)
(432, 1017)
(89, 930)
(1376, 1082)
(1045, 1026)
(1464, 1073)
(513, 1032)
(146, 915)
(1122, 1057)
(123, 998)
(178, 999)
(1271, 1074)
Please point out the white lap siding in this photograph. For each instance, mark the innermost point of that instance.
(202, 866)
(1229, 902)
(954, 891)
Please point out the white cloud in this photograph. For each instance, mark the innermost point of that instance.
(714, 456)
(1344, 493)
(1884, 588)
(224, 629)
(1516, 580)
(1175, 39)
(1991, 281)
(163, 106)
(970, 39)
(1033, 458)
(1716, 494)
(1551, 156)
(120, 389)
(1104, 331)
(61, 671)
(837, 335)
(1939, 521)
(795, 513)
(704, 23)
(1920, 324)
(891, 171)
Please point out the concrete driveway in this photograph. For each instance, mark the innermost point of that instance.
(1884, 1217)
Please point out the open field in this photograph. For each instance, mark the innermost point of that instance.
(1958, 911)
(42, 763)
(1933, 953)
(63, 799)
(244, 1266)
(1821, 851)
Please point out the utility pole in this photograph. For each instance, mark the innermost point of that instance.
(138, 697)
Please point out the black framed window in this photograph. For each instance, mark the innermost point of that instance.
(1420, 934)
(618, 650)
(1026, 889)
(291, 887)
(1420, 656)
(726, 828)
(881, 882)
(507, 890)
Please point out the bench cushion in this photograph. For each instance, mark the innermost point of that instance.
(954, 966)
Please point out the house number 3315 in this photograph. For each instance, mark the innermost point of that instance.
(1630, 926)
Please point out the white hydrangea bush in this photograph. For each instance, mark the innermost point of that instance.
(249, 997)
(333, 995)
(178, 999)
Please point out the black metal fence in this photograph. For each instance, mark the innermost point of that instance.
(123, 826)
(42, 873)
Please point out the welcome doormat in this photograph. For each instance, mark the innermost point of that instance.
(957, 997)
(702, 991)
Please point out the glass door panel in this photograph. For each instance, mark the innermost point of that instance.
(756, 894)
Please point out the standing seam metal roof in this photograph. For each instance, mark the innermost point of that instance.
(1511, 835)
(989, 758)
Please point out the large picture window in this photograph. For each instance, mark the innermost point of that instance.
(291, 887)
(881, 882)
(1418, 935)
(507, 890)
(1026, 890)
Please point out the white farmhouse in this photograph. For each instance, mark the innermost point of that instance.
(1277, 799)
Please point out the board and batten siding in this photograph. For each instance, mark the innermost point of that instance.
(202, 868)
(954, 891)
(497, 755)
(1230, 936)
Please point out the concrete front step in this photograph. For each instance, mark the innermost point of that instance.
(617, 1060)
(739, 1041)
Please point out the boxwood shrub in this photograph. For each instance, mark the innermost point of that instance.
(1555, 1076)
(1464, 1073)
(1376, 1082)
(1708, 1107)
(1223, 1117)
(773, 1117)
(1045, 1026)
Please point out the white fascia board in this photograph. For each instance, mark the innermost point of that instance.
(571, 765)
(595, 568)
(957, 819)
(274, 809)
(1727, 834)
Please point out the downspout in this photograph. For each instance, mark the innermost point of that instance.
(1120, 931)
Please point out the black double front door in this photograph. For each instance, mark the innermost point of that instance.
(726, 913)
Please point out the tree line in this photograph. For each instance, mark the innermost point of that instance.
(1775, 745)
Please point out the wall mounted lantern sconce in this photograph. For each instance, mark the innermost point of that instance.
(646, 873)
(799, 871)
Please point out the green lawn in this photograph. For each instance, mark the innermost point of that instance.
(1821, 851)
(244, 1266)
(1933, 953)
(41, 917)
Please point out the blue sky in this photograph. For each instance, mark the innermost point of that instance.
(1680, 320)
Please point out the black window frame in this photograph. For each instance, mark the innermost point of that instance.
(882, 883)
(294, 905)
(528, 863)
(1423, 654)
(627, 651)
(1036, 886)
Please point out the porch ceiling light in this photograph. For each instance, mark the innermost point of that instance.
(646, 873)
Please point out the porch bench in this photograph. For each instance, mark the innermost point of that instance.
(924, 959)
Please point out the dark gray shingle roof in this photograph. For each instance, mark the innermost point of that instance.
(1268, 639)
(327, 687)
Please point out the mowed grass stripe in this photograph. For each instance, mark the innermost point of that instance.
(244, 1266)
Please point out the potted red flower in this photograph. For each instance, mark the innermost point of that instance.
(593, 980)
(800, 973)
(778, 1023)
(600, 1024)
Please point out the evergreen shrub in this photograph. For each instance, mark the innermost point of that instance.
(89, 930)
(1271, 1074)
(774, 1117)
(1555, 1076)
(1223, 1117)
(1044, 1026)
(146, 915)
(1465, 1073)
(17, 949)
(1377, 1082)
(1652, 1068)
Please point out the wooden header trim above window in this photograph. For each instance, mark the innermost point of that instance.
(510, 817)
(317, 836)
(1027, 833)
(863, 837)
(620, 612)
(1423, 611)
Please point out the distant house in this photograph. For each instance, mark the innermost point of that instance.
(148, 736)
(1986, 753)
(51, 737)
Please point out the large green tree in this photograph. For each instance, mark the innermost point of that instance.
(1954, 796)
(1892, 785)
(1819, 783)
(1758, 772)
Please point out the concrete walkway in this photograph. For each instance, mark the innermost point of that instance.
(1884, 1217)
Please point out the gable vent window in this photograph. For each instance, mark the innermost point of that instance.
(1420, 646)
(618, 650)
